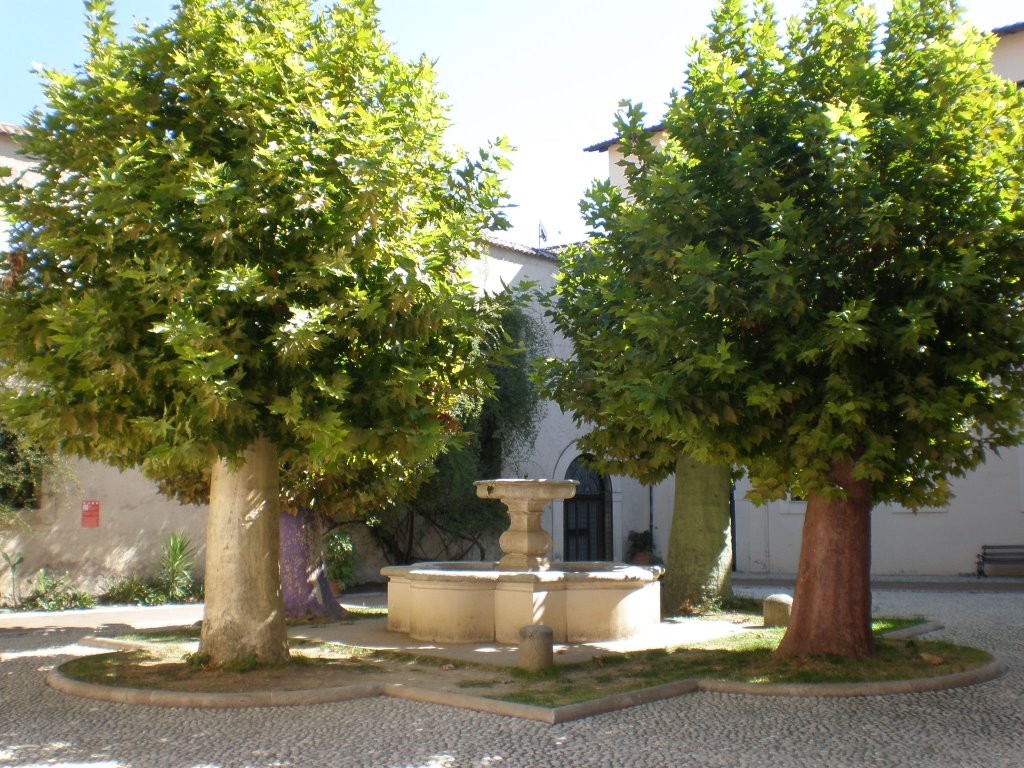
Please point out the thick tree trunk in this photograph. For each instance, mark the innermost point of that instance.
(244, 614)
(832, 599)
(698, 565)
(303, 581)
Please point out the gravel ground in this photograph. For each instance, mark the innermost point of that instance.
(978, 726)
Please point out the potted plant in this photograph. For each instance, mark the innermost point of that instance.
(339, 560)
(640, 545)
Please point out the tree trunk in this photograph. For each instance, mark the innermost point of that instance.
(303, 581)
(244, 613)
(698, 567)
(832, 599)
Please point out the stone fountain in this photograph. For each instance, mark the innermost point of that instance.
(463, 602)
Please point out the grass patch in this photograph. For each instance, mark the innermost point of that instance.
(158, 668)
(162, 635)
(351, 615)
(358, 612)
(885, 624)
(745, 656)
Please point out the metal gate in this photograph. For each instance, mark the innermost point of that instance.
(588, 516)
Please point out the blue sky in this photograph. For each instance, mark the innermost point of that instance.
(548, 74)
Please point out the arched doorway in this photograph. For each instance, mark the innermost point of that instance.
(588, 516)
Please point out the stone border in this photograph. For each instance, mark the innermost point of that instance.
(553, 716)
(159, 698)
(981, 674)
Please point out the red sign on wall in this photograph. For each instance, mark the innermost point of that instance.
(90, 514)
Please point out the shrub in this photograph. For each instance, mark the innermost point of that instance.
(55, 593)
(12, 566)
(340, 558)
(131, 589)
(174, 582)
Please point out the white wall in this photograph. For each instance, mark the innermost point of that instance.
(987, 508)
(1008, 56)
(134, 522)
(556, 448)
(9, 158)
(616, 173)
(9, 155)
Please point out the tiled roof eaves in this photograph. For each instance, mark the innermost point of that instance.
(1009, 29)
(9, 129)
(604, 146)
(543, 253)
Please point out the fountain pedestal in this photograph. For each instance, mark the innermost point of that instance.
(480, 602)
(526, 544)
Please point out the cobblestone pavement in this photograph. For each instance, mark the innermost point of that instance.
(978, 726)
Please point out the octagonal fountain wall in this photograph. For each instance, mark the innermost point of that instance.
(463, 601)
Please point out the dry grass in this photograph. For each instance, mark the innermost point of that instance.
(744, 657)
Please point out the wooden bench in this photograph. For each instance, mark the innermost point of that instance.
(1000, 554)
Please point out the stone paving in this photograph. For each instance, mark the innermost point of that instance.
(978, 726)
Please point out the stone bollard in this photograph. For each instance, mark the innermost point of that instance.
(777, 609)
(536, 647)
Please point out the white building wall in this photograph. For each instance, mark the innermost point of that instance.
(1008, 56)
(987, 508)
(556, 448)
(616, 173)
(134, 522)
(10, 158)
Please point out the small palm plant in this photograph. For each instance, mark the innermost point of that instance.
(176, 565)
(12, 565)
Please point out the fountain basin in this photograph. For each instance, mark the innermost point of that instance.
(463, 602)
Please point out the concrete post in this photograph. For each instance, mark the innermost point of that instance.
(776, 610)
(536, 647)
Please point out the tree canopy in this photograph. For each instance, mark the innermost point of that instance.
(21, 470)
(815, 275)
(444, 519)
(246, 223)
(821, 259)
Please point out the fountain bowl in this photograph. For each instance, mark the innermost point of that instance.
(468, 602)
(464, 602)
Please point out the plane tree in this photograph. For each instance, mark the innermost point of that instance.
(817, 276)
(241, 260)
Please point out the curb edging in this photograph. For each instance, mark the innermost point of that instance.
(59, 681)
(982, 674)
